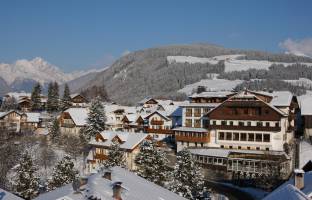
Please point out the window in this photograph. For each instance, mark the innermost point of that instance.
(236, 136)
(239, 147)
(231, 123)
(189, 112)
(277, 124)
(223, 123)
(241, 123)
(248, 123)
(221, 135)
(205, 123)
(214, 122)
(257, 148)
(248, 148)
(206, 110)
(259, 124)
(202, 144)
(231, 147)
(251, 137)
(267, 124)
(195, 144)
(228, 136)
(267, 149)
(197, 112)
(243, 136)
(188, 123)
(259, 137)
(266, 137)
(222, 146)
(197, 123)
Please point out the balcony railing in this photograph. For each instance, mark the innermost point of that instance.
(247, 128)
(99, 156)
(157, 122)
(159, 131)
(67, 125)
(205, 139)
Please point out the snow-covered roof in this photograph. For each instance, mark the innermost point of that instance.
(191, 129)
(304, 193)
(190, 104)
(33, 117)
(134, 188)
(78, 115)
(305, 104)
(305, 153)
(130, 140)
(5, 195)
(18, 95)
(160, 113)
(287, 192)
(209, 94)
(281, 98)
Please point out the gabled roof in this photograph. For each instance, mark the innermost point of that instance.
(130, 140)
(3, 114)
(305, 104)
(160, 113)
(78, 115)
(134, 188)
(75, 95)
(287, 192)
(5, 195)
(219, 94)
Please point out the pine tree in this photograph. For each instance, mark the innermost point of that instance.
(53, 97)
(26, 183)
(96, 119)
(65, 103)
(115, 156)
(187, 179)
(36, 97)
(55, 131)
(63, 173)
(152, 163)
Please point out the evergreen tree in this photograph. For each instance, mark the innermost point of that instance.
(96, 119)
(187, 180)
(36, 97)
(55, 131)
(152, 163)
(63, 173)
(26, 183)
(115, 156)
(53, 97)
(65, 103)
(9, 103)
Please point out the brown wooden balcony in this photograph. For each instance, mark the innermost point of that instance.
(157, 122)
(159, 131)
(99, 156)
(204, 139)
(245, 128)
(67, 125)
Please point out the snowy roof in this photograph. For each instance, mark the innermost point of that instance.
(5, 195)
(287, 192)
(209, 94)
(33, 117)
(305, 153)
(305, 192)
(160, 113)
(130, 140)
(281, 98)
(134, 188)
(191, 129)
(78, 115)
(190, 104)
(305, 104)
(18, 95)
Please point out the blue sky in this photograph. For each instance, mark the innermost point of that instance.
(78, 34)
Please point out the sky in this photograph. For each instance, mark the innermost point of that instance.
(83, 34)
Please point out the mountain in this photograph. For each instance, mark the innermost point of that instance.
(4, 88)
(23, 74)
(152, 72)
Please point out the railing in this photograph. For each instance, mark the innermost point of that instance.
(157, 122)
(99, 156)
(248, 128)
(160, 131)
(67, 125)
(192, 139)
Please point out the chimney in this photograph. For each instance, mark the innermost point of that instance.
(108, 175)
(299, 178)
(117, 189)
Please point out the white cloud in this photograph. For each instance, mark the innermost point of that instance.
(298, 47)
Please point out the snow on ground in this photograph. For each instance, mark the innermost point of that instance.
(211, 85)
(231, 62)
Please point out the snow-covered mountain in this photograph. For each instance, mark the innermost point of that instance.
(24, 73)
